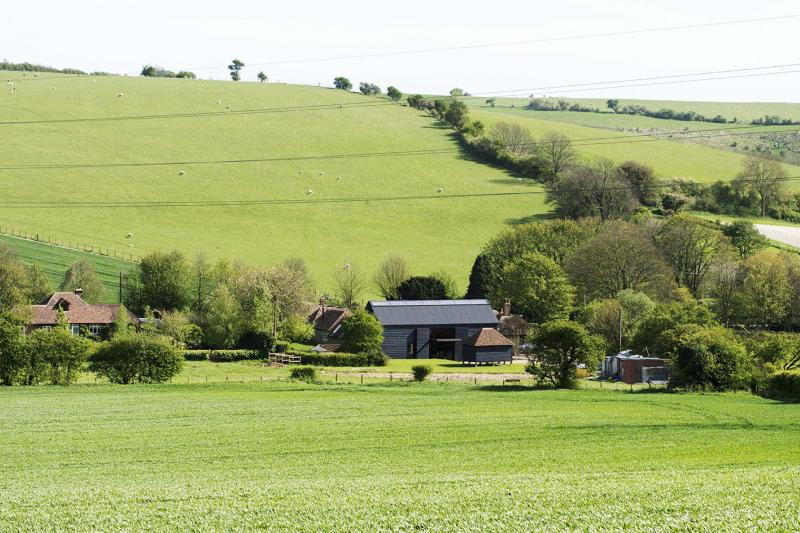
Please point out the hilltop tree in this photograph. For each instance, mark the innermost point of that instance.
(81, 275)
(148, 71)
(369, 89)
(394, 93)
(262, 77)
(457, 92)
(613, 105)
(456, 114)
(765, 177)
(340, 82)
(491, 102)
(235, 67)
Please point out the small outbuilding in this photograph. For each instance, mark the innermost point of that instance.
(488, 346)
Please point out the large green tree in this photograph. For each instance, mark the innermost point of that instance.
(361, 333)
(392, 271)
(621, 256)
(81, 275)
(57, 356)
(558, 348)
(13, 348)
(537, 286)
(710, 358)
(765, 177)
(597, 190)
(616, 319)
(160, 281)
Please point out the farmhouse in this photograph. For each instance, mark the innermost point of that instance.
(447, 329)
(327, 321)
(96, 318)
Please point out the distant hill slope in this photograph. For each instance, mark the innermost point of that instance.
(397, 183)
(55, 261)
(356, 213)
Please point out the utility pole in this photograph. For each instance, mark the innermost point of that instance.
(620, 328)
(120, 286)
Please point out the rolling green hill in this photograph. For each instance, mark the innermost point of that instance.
(252, 179)
(356, 214)
(55, 260)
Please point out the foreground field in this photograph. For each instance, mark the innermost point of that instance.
(282, 456)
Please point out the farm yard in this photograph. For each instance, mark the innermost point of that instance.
(394, 456)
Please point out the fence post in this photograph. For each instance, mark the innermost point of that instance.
(362, 379)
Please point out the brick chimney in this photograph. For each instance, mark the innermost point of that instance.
(79, 292)
(506, 308)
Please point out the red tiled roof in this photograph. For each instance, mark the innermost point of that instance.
(76, 311)
(327, 318)
(488, 337)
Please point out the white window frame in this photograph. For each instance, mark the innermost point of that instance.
(95, 329)
(75, 329)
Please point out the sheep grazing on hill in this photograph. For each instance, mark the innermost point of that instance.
(347, 266)
(309, 191)
(321, 173)
(129, 235)
(338, 178)
(439, 190)
(181, 172)
(120, 95)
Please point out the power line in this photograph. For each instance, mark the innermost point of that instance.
(246, 203)
(631, 80)
(203, 114)
(672, 82)
(656, 29)
(589, 141)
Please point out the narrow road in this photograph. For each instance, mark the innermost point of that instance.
(786, 234)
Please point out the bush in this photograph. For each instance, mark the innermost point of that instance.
(137, 358)
(421, 372)
(304, 373)
(362, 333)
(282, 346)
(784, 385)
(343, 359)
(710, 359)
(196, 355)
(229, 356)
(56, 356)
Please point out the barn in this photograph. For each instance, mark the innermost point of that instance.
(446, 329)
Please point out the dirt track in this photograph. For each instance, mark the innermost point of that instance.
(786, 234)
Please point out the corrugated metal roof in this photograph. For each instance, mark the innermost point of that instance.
(433, 312)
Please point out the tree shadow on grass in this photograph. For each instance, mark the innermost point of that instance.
(515, 387)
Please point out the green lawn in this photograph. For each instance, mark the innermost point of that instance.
(445, 457)
(55, 261)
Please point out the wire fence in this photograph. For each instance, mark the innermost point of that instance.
(69, 245)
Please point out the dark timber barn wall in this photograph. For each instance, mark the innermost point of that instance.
(408, 324)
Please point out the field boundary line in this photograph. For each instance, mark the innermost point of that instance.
(78, 247)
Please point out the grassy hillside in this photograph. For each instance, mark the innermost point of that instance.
(668, 158)
(55, 261)
(269, 194)
(357, 219)
(442, 457)
(743, 111)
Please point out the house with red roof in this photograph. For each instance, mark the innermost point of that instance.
(96, 318)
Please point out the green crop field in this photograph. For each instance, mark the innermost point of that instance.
(270, 193)
(55, 261)
(445, 457)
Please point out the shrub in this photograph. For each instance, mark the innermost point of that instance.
(196, 355)
(784, 385)
(282, 346)
(362, 333)
(229, 356)
(710, 358)
(56, 356)
(421, 372)
(343, 359)
(304, 373)
(137, 358)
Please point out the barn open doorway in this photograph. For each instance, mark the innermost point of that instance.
(443, 343)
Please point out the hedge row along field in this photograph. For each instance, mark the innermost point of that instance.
(293, 456)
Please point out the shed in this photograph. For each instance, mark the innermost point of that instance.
(488, 346)
(431, 328)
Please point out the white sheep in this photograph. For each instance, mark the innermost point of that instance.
(309, 191)
(129, 235)
(439, 190)
(181, 172)
(321, 173)
(338, 178)
(347, 266)
(120, 95)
